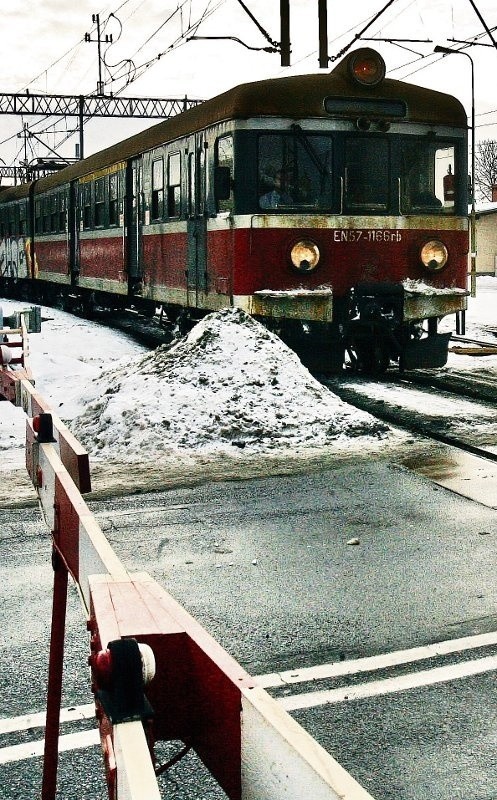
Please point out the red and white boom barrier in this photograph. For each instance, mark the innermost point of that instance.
(156, 673)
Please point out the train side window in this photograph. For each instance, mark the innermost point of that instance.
(23, 224)
(45, 222)
(113, 199)
(192, 188)
(62, 212)
(158, 189)
(38, 225)
(366, 174)
(12, 220)
(86, 206)
(224, 174)
(427, 179)
(100, 203)
(174, 185)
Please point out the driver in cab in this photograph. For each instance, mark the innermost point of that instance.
(277, 196)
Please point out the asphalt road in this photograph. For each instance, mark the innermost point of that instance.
(268, 567)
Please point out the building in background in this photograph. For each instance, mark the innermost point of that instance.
(486, 236)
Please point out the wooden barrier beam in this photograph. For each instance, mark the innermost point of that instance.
(72, 454)
(135, 777)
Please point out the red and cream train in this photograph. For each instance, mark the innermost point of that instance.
(332, 207)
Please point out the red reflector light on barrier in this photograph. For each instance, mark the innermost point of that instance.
(43, 427)
(101, 664)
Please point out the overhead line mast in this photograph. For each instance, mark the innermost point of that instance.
(89, 106)
(99, 40)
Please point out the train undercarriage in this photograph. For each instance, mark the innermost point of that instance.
(391, 323)
(378, 325)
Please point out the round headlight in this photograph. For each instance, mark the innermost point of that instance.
(305, 255)
(434, 255)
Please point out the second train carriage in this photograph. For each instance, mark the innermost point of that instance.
(333, 207)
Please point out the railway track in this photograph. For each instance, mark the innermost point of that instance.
(480, 387)
(454, 409)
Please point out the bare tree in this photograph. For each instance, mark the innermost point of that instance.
(486, 169)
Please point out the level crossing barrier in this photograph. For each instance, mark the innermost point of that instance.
(156, 674)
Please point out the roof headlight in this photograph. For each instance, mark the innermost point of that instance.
(305, 255)
(434, 255)
(367, 67)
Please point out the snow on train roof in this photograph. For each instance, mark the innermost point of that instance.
(229, 384)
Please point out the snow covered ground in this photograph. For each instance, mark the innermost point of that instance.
(229, 391)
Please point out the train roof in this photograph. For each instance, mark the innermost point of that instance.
(294, 97)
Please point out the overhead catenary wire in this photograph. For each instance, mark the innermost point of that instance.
(127, 72)
(132, 73)
(358, 35)
(180, 40)
(480, 17)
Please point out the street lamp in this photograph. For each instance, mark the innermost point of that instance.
(449, 51)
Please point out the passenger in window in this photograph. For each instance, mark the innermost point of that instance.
(278, 196)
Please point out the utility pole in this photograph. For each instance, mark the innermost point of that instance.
(25, 134)
(107, 40)
(285, 32)
(323, 33)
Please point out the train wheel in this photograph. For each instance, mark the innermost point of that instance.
(371, 358)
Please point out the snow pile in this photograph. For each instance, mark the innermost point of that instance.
(229, 383)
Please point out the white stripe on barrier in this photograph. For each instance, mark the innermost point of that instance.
(96, 556)
(135, 777)
(50, 464)
(281, 761)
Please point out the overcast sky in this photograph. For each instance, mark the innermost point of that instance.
(44, 50)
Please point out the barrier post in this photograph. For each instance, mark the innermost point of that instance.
(55, 671)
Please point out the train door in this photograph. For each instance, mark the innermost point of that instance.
(196, 221)
(133, 215)
(73, 216)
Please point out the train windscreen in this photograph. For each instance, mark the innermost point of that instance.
(295, 170)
